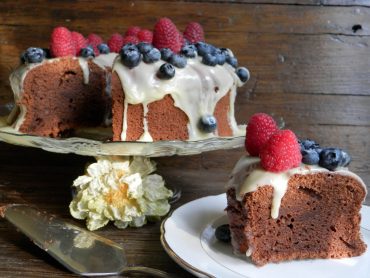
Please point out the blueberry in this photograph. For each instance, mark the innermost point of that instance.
(208, 123)
(144, 47)
(309, 144)
(205, 48)
(33, 55)
(189, 51)
(166, 71)
(346, 159)
(209, 59)
(166, 53)
(243, 74)
(223, 233)
(103, 48)
(87, 52)
(129, 46)
(232, 61)
(225, 51)
(152, 56)
(310, 157)
(178, 61)
(220, 58)
(330, 158)
(130, 55)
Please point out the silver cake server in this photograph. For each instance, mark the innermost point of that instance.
(80, 251)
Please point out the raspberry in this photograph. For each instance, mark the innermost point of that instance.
(131, 39)
(166, 35)
(115, 43)
(281, 152)
(259, 130)
(145, 36)
(194, 32)
(61, 43)
(132, 31)
(94, 40)
(79, 41)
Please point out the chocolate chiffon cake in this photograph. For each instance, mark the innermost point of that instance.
(162, 85)
(300, 211)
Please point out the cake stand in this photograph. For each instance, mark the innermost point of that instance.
(94, 142)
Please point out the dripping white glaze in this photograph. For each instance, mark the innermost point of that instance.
(195, 89)
(248, 176)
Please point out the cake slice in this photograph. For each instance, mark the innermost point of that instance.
(298, 212)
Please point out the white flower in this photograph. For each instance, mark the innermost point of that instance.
(119, 190)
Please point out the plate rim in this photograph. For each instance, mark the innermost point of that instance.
(181, 262)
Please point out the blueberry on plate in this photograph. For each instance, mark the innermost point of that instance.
(166, 71)
(87, 52)
(243, 74)
(208, 123)
(103, 48)
(178, 61)
(330, 158)
(310, 157)
(166, 53)
(223, 233)
(33, 55)
(153, 55)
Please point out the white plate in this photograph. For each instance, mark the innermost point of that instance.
(188, 237)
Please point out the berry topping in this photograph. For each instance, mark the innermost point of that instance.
(94, 40)
(132, 31)
(61, 43)
(243, 74)
(204, 48)
(103, 48)
(232, 61)
(166, 35)
(259, 130)
(152, 56)
(208, 123)
(308, 144)
(220, 56)
(166, 54)
(281, 152)
(222, 233)
(330, 158)
(79, 41)
(130, 55)
(130, 39)
(144, 47)
(178, 61)
(189, 51)
(346, 159)
(310, 157)
(87, 52)
(166, 71)
(145, 36)
(115, 42)
(33, 55)
(194, 32)
(209, 59)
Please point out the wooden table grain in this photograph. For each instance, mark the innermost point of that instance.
(310, 65)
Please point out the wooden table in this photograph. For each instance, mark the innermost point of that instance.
(310, 64)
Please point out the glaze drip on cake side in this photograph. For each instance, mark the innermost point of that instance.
(18, 77)
(247, 176)
(195, 89)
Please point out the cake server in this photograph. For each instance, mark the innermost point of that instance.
(80, 251)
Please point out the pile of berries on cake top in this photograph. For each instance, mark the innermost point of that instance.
(165, 43)
(280, 150)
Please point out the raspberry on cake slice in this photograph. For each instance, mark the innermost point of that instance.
(296, 200)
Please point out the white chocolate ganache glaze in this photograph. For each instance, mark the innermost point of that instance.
(247, 176)
(18, 76)
(195, 89)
